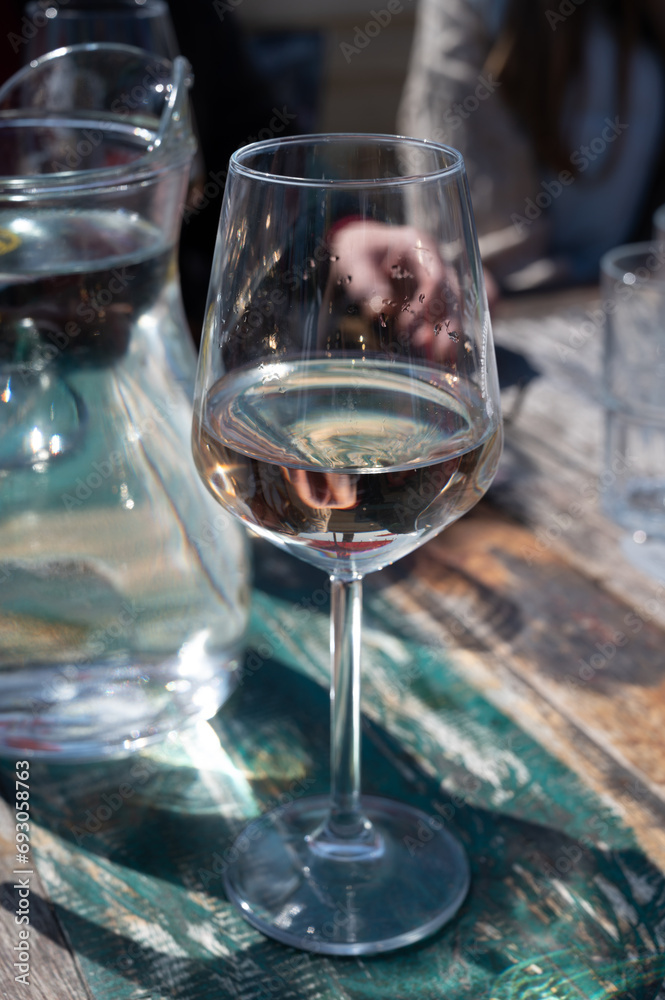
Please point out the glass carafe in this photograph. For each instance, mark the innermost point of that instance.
(123, 588)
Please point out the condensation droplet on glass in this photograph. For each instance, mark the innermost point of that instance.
(382, 320)
(333, 257)
(311, 262)
(454, 336)
(437, 329)
(421, 298)
(282, 389)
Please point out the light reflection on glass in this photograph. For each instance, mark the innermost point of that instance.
(36, 440)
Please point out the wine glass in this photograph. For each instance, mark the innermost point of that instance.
(347, 409)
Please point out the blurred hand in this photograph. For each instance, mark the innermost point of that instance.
(323, 490)
(395, 275)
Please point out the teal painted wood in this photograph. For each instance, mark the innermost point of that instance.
(563, 904)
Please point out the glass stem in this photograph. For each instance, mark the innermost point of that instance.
(346, 821)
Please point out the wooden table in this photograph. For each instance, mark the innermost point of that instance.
(514, 684)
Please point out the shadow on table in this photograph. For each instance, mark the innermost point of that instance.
(150, 969)
(134, 850)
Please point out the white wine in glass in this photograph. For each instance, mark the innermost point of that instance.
(347, 409)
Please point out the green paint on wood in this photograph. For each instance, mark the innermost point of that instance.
(132, 851)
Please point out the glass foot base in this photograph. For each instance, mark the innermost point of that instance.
(407, 877)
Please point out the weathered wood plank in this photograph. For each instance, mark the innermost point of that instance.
(549, 478)
(136, 883)
(540, 640)
(53, 972)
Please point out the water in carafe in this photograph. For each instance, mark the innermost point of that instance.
(123, 587)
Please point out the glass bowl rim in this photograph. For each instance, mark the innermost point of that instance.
(612, 269)
(236, 165)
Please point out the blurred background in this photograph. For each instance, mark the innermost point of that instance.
(303, 53)
(558, 108)
(356, 77)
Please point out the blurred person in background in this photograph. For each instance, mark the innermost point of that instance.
(558, 107)
(233, 104)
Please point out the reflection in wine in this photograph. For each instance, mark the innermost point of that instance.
(352, 463)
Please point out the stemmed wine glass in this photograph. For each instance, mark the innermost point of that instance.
(347, 409)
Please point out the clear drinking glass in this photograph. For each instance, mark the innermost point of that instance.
(145, 24)
(347, 409)
(633, 477)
